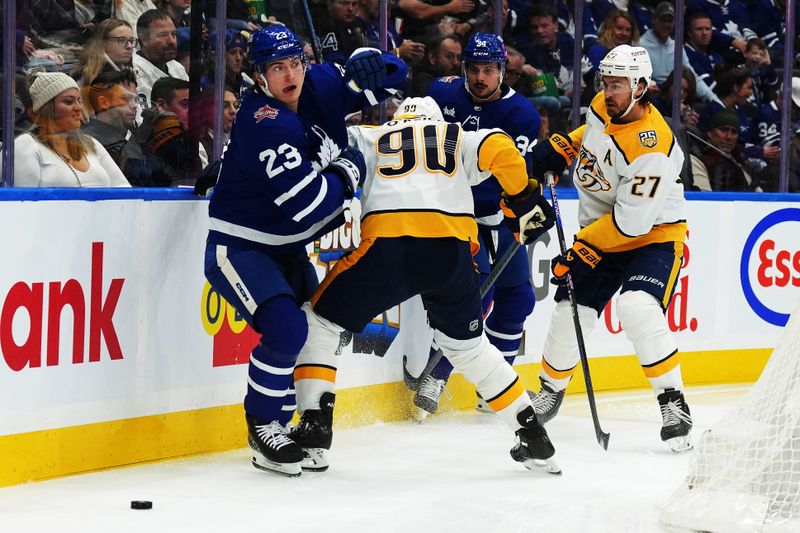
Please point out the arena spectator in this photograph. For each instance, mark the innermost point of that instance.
(550, 51)
(442, 58)
(159, 47)
(56, 153)
(734, 90)
(728, 16)
(718, 163)
(53, 25)
(421, 18)
(131, 10)
(766, 132)
(230, 105)
(163, 133)
(759, 64)
(640, 12)
(617, 28)
(662, 99)
(661, 47)
(768, 22)
(699, 32)
(110, 48)
(178, 11)
(113, 102)
(235, 60)
(339, 31)
(406, 49)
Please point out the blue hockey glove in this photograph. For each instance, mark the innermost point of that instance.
(365, 69)
(579, 260)
(528, 214)
(351, 168)
(553, 155)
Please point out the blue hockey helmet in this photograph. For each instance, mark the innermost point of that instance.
(273, 43)
(485, 48)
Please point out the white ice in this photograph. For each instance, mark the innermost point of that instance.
(450, 474)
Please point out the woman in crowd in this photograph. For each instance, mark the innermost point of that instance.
(111, 47)
(662, 99)
(56, 153)
(618, 28)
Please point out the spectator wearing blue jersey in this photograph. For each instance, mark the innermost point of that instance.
(285, 179)
(481, 100)
(699, 32)
(765, 131)
(765, 77)
(550, 51)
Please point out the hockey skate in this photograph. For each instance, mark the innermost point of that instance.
(534, 449)
(426, 400)
(273, 451)
(314, 434)
(677, 421)
(547, 402)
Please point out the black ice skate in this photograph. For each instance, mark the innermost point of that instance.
(273, 451)
(547, 402)
(314, 434)
(677, 421)
(534, 449)
(427, 397)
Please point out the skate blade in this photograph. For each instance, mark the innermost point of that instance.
(420, 415)
(547, 465)
(281, 469)
(314, 460)
(680, 445)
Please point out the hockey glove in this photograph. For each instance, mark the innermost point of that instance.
(528, 214)
(553, 155)
(365, 69)
(579, 260)
(350, 168)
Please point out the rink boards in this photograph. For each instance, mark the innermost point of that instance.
(115, 350)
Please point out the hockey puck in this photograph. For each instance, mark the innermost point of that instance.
(141, 504)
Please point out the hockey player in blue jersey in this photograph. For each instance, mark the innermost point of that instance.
(285, 179)
(480, 100)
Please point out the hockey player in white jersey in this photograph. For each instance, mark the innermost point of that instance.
(631, 213)
(418, 235)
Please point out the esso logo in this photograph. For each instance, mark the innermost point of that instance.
(770, 266)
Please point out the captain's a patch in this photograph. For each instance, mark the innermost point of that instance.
(648, 138)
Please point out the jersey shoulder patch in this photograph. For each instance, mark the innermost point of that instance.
(651, 135)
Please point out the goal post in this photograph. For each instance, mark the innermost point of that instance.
(744, 475)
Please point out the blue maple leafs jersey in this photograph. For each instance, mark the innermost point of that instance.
(766, 125)
(273, 191)
(512, 113)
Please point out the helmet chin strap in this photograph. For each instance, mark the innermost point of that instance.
(634, 99)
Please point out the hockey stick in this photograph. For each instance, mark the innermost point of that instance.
(316, 46)
(602, 437)
(412, 382)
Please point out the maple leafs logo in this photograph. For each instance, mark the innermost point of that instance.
(328, 150)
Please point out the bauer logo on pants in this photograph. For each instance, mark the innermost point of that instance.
(770, 266)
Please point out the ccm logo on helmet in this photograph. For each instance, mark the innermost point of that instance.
(775, 259)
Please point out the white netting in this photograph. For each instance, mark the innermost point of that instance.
(745, 472)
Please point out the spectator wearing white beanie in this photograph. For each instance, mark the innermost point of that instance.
(56, 153)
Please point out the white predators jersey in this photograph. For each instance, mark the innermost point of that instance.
(419, 174)
(628, 180)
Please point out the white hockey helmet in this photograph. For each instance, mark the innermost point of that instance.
(632, 62)
(424, 107)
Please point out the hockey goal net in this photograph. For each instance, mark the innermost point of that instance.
(744, 475)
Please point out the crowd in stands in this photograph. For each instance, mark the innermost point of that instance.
(129, 62)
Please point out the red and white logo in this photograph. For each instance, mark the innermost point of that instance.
(265, 112)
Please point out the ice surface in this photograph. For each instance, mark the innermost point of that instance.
(450, 474)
